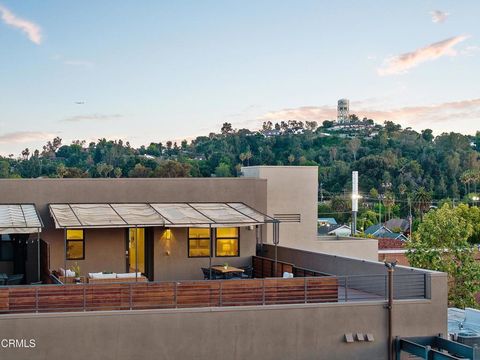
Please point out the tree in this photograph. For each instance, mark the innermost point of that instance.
(441, 244)
(354, 146)
(328, 124)
(427, 135)
(223, 170)
(422, 200)
(226, 128)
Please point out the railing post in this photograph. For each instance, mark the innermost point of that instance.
(263, 291)
(305, 288)
(175, 294)
(346, 288)
(36, 299)
(130, 300)
(221, 294)
(386, 287)
(84, 297)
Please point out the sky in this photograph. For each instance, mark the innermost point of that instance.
(149, 70)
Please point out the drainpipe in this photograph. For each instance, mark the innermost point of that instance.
(390, 269)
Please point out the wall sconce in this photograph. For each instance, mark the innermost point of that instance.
(167, 234)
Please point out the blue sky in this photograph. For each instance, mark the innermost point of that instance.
(156, 70)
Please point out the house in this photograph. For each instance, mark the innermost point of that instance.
(398, 225)
(334, 230)
(326, 221)
(164, 231)
(392, 250)
(380, 231)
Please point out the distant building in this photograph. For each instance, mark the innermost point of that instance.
(335, 230)
(380, 231)
(326, 221)
(343, 110)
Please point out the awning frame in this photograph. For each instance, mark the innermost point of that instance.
(35, 229)
(166, 221)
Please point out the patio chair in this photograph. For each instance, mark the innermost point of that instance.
(248, 272)
(15, 279)
(206, 273)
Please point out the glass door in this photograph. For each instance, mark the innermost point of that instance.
(136, 250)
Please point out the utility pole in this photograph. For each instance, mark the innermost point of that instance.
(410, 218)
(355, 198)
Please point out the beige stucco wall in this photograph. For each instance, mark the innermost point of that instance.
(105, 248)
(172, 262)
(290, 190)
(356, 248)
(301, 332)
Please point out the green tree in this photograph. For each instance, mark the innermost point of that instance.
(223, 170)
(441, 244)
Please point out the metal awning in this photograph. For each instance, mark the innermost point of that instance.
(113, 215)
(19, 219)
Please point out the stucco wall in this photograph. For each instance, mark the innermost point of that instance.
(358, 247)
(105, 248)
(302, 332)
(291, 190)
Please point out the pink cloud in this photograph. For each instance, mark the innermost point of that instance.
(403, 62)
(462, 113)
(32, 30)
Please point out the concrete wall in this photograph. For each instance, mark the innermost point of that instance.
(291, 190)
(301, 332)
(360, 248)
(105, 248)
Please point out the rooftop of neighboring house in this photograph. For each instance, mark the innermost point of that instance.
(328, 220)
(398, 224)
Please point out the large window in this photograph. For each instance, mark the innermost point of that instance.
(75, 244)
(228, 242)
(6, 248)
(198, 242)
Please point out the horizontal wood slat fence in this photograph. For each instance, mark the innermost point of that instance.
(167, 295)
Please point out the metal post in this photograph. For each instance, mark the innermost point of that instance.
(130, 301)
(36, 299)
(210, 252)
(305, 288)
(263, 291)
(38, 256)
(65, 253)
(346, 288)
(390, 269)
(136, 254)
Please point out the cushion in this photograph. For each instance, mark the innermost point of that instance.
(128, 275)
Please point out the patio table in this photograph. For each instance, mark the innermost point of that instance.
(228, 269)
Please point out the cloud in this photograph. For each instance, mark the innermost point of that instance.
(92, 117)
(401, 63)
(462, 113)
(439, 16)
(31, 29)
(25, 137)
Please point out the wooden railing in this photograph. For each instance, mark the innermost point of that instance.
(167, 295)
(265, 268)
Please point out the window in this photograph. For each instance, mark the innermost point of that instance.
(75, 244)
(6, 248)
(198, 242)
(228, 242)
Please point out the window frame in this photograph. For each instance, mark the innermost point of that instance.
(227, 238)
(201, 238)
(82, 240)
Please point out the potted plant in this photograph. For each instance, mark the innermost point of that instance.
(225, 265)
(76, 270)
